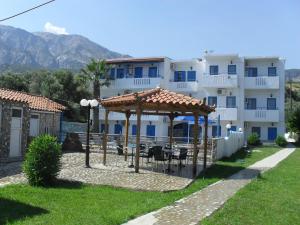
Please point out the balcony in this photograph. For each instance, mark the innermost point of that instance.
(132, 83)
(225, 113)
(261, 115)
(183, 86)
(219, 81)
(121, 116)
(263, 82)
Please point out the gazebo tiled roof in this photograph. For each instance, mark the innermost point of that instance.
(35, 102)
(158, 98)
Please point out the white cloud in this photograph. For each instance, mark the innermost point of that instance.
(49, 27)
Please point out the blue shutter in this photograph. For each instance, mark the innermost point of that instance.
(118, 129)
(120, 73)
(179, 76)
(102, 128)
(271, 103)
(152, 71)
(272, 71)
(138, 72)
(191, 76)
(250, 103)
(150, 130)
(231, 69)
(214, 70)
(212, 100)
(214, 131)
(251, 71)
(233, 128)
(272, 133)
(133, 131)
(112, 73)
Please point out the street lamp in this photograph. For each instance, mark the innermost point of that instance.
(228, 127)
(90, 104)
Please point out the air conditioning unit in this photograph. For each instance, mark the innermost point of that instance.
(222, 92)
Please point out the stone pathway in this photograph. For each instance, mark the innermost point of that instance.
(193, 208)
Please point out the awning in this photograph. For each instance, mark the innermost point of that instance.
(190, 119)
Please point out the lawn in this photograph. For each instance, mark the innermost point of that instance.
(71, 203)
(273, 198)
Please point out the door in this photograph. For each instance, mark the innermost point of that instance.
(15, 133)
(272, 133)
(34, 125)
(118, 129)
(271, 103)
(151, 130)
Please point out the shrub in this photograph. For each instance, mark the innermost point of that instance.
(280, 141)
(42, 161)
(253, 139)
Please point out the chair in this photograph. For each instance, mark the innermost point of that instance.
(182, 156)
(159, 156)
(120, 149)
(147, 154)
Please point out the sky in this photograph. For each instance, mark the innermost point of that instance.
(179, 29)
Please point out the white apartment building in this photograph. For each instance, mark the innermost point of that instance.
(248, 93)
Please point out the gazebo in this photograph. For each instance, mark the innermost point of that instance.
(160, 102)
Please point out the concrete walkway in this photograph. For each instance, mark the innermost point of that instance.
(193, 208)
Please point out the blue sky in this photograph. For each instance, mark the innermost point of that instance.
(180, 29)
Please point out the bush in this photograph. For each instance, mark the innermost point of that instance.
(253, 139)
(42, 161)
(280, 141)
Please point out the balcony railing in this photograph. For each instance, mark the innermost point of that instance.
(225, 113)
(130, 83)
(219, 81)
(262, 115)
(262, 82)
(183, 86)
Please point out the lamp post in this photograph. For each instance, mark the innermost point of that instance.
(228, 127)
(89, 104)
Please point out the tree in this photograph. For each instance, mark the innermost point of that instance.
(15, 82)
(294, 121)
(97, 72)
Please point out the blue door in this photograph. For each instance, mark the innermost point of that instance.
(151, 130)
(251, 72)
(118, 129)
(215, 132)
(133, 131)
(138, 72)
(272, 133)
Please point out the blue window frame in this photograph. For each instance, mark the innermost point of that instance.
(214, 131)
(250, 103)
(179, 76)
(120, 73)
(271, 103)
(251, 72)
(272, 133)
(133, 129)
(272, 71)
(212, 100)
(256, 130)
(150, 130)
(214, 70)
(112, 73)
(138, 72)
(152, 71)
(230, 102)
(118, 129)
(231, 69)
(191, 75)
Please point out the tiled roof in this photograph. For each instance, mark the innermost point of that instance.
(157, 96)
(34, 101)
(135, 60)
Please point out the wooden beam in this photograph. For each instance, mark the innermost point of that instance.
(105, 136)
(126, 133)
(138, 134)
(171, 116)
(195, 153)
(205, 141)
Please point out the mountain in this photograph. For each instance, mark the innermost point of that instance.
(21, 49)
(292, 74)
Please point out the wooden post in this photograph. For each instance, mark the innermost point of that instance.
(195, 153)
(205, 141)
(171, 116)
(126, 133)
(138, 134)
(105, 136)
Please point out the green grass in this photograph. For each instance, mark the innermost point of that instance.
(273, 198)
(69, 203)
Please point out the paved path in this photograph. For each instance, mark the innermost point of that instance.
(195, 207)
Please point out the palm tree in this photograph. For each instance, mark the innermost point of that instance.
(97, 72)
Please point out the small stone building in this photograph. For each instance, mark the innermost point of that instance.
(23, 116)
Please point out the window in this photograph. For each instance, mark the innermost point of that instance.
(16, 113)
(215, 131)
(214, 70)
(251, 72)
(179, 76)
(118, 129)
(256, 130)
(102, 128)
(230, 102)
(191, 75)
(212, 100)
(112, 73)
(250, 103)
(272, 71)
(133, 129)
(233, 128)
(271, 103)
(120, 73)
(231, 69)
(34, 116)
(152, 71)
(138, 72)
(150, 130)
